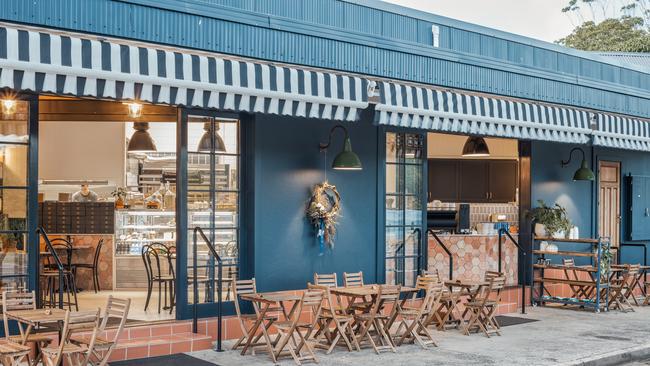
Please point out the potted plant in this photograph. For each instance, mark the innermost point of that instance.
(551, 221)
(120, 197)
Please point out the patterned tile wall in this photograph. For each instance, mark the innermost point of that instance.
(473, 255)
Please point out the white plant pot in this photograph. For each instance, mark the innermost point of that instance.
(559, 235)
(540, 230)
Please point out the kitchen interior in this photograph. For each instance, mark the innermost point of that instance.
(473, 190)
(107, 186)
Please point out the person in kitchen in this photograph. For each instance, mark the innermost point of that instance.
(84, 195)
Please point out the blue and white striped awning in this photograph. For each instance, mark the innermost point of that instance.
(455, 112)
(622, 132)
(83, 66)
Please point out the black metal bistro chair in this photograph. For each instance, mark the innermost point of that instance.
(61, 279)
(153, 255)
(94, 266)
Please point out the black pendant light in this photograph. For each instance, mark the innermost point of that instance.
(205, 144)
(141, 141)
(476, 146)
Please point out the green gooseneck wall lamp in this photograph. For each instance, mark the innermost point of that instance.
(583, 173)
(346, 159)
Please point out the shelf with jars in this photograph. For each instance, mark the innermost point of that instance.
(136, 228)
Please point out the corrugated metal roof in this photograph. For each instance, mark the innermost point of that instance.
(365, 37)
(633, 59)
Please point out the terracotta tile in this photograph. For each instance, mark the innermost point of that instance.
(181, 347)
(232, 329)
(110, 334)
(199, 345)
(159, 350)
(201, 327)
(161, 330)
(117, 355)
(137, 352)
(140, 332)
(182, 328)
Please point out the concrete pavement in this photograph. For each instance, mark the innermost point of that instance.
(561, 337)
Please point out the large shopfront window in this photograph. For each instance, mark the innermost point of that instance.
(404, 233)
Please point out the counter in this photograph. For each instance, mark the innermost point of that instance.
(473, 255)
(86, 255)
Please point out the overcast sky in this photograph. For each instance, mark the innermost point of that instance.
(540, 19)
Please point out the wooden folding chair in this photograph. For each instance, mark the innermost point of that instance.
(483, 309)
(331, 312)
(18, 300)
(621, 289)
(289, 334)
(413, 321)
(577, 291)
(74, 355)
(328, 279)
(101, 351)
(634, 271)
(356, 280)
(375, 321)
(247, 321)
(12, 353)
(353, 279)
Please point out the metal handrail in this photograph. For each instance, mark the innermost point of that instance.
(523, 252)
(213, 251)
(451, 257)
(40, 231)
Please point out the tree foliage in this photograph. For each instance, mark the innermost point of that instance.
(608, 25)
(625, 34)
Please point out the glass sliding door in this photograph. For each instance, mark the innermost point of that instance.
(17, 216)
(212, 197)
(404, 218)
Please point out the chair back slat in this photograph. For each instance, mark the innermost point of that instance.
(433, 272)
(353, 279)
(423, 282)
(16, 300)
(242, 287)
(326, 279)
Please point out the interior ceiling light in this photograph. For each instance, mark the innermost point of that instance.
(8, 107)
(141, 141)
(584, 172)
(135, 109)
(475, 146)
(211, 134)
(346, 159)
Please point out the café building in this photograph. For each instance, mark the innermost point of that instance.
(126, 132)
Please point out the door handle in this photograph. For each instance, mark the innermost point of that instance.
(646, 212)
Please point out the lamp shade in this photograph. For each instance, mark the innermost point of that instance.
(584, 173)
(475, 146)
(141, 141)
(205, 144)
(347, 159)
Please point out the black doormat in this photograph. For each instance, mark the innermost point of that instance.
(180, 359)
(506, 321)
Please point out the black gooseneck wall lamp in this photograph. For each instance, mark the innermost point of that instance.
(583, 173)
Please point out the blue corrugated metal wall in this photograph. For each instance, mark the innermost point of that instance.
(351, 37)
